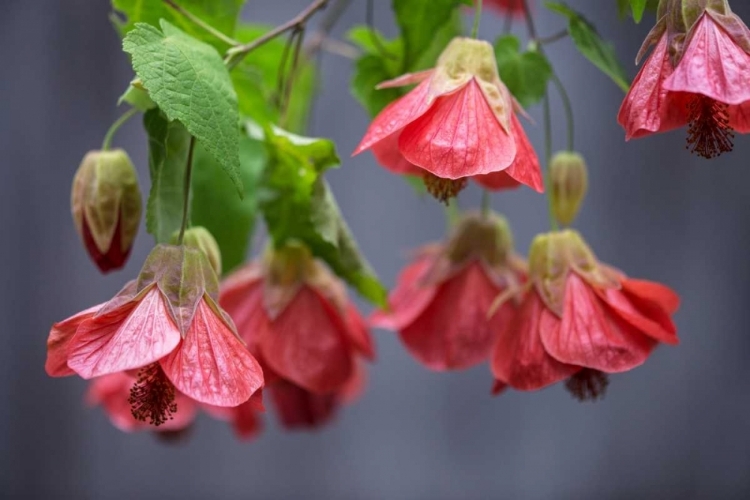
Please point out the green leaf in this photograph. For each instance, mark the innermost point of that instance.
(370, 70)
(256, 80)
(168, 144)
(638, 7)
(298, 205)
(419, 21)
(187, 79)
(220, 14)
(525, 73)
(214, 205)
(591, 45)
(137, 97)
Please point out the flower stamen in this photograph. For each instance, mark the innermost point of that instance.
(443, 189)
(152, 397)
(588, 385)
(709, 133)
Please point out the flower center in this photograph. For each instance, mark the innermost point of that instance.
(443, 189)
(152, 397)
(709, 133)
(588, 385)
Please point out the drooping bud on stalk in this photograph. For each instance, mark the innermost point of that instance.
(200, 238)
(569, 182)
(106, 207)
(488, 237)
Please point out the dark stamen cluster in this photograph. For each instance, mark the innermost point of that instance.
(152, 397)
(443, 189)
(709, 133)
(588, 385)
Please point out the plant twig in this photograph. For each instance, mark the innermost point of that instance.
(201, 23)
(319, 39)
(186, 191)
(552, 38)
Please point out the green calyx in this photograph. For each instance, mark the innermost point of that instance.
(569, 184)
(200, 238)
(486, 237)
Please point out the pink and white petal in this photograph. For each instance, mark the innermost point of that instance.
(519, 358)
(409, 298)
(712, 65)
(397, 115)
(133, 336)
(211, 365)
(407, 79)
(590, 336)
(525, 167)
(58, 343)
(459, 136)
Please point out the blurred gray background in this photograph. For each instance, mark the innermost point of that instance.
(678, 427)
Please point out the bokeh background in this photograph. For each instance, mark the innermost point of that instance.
(678, 427)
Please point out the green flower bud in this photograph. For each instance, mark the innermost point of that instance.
(569, 181)
(200, 238)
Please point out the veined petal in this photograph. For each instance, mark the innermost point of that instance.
(519, 358)
(459, 136)
(525, 167)
(132, 336)
(244, 304)
(307, 344)
(739, 118)
(712, 65)
(409, 298)
(590, 336)
(359, 334)
(662, 295)
(298, 408)
(407, 79)
(497, 181)
(58, 343)
(211, 365)
(648, 107)
(387, 154)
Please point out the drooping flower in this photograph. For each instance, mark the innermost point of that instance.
(441, 303)
(168, 326)
(459, 122)
(295, 316)
(579, 320)
(512, 7)
(106, 207)
(696, 75)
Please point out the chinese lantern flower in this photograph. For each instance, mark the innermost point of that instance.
(440, 306)
(512, 7)
(106, 207)
(696, 75)
(167, 326)
(295, 316)
(459, 122)
(245, 418)
(580, 320)
(569, 181)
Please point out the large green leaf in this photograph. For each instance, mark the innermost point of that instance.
(187, 79)
(298, 205)
(214, 205)
(591, 45)
(168, 144)
(419, 21)
(220, 14)
(525, 73)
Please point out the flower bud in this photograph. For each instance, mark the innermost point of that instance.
(199, 237)
(488, 237)
(569, 182)
(106, 205)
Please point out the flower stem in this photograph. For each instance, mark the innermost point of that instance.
(186, 190)
(486, 203)
(452, 213)
(107, 143)
(548, 159)
(477, 18)
(201, 23)
(565, 98)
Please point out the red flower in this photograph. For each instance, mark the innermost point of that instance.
(245, 418)
(513, 7)
(696, 75)
(458, 123)
(166, 324)
(580, 319)
(295, 316)
(441, 303)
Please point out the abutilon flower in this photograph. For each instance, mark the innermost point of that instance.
(458, 123)
(579, 320)
(696, 75)
(106, 207)
(512, 7)
(441, 303)
(296, 318)
(167, 326)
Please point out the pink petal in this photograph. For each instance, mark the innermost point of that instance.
(712, 65)
(387, 154)
(407, 79)
(244, 304)
(648, 107)
(739, 118)
(299, 409)
(58, 343)
(525, 167)
(497, 181)
(132, 336)
(590, 336)
(459, 136)
(654, 292)
(358, 332)
(211, 365)
(519, 358)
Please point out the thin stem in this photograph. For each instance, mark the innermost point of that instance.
(452, 213)
(201, 23)
(477, 18)
(548, 159)
(320, 38)
(507, 24)
(568, 109)
(553, 38)
(486, 203)
(291, 76)
(107, 143)
(186, 190)
(529, 20)
(238, 52)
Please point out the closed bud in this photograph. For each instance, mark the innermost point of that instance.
(200, 238)
(569, 181)
(106, 206)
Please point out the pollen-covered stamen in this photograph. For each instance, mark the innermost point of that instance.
(443, 189)
(709, 133)
(152, 397)
(588, 385)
